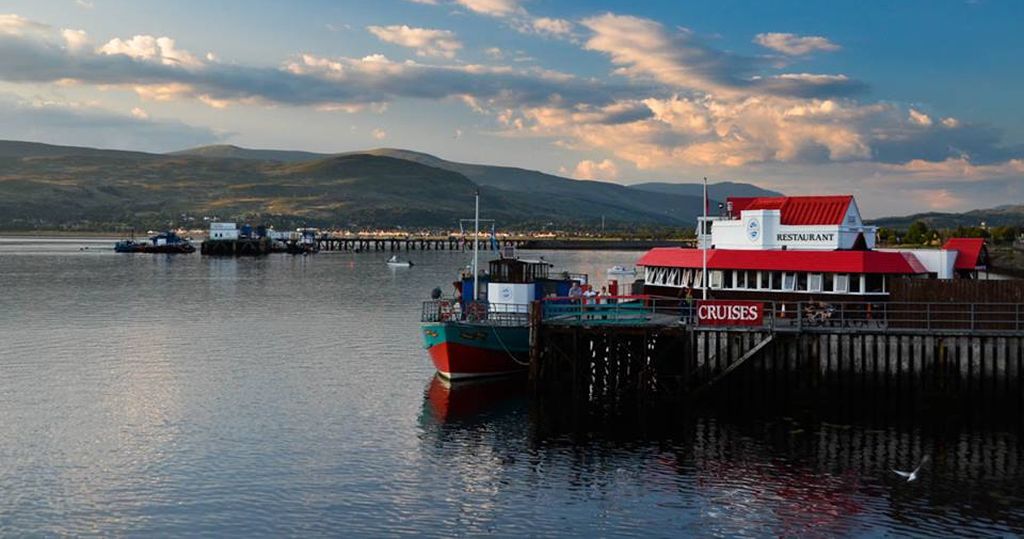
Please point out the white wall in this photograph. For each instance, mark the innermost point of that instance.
(763, 230)
(937, 261)
(510, 298)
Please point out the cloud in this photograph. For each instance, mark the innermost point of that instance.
(76, 40)
(493, 8)
(793, 44)
(152, 49)
(552, 27)
(58, 122)
(592, 170)
(919, 118)
(16, 25)
(139, 113)
(379, 134)
(426, 41)
(85, 4)
(645, 49)
(157, 69)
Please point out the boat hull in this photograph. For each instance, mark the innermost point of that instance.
(462, 350)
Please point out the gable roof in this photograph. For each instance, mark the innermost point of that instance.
(968, 252)
(787, 260)
(806, 210)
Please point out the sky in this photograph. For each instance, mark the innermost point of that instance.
(909, 105)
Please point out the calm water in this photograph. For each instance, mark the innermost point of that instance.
(153, 395)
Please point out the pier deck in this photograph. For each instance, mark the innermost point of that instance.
(640, 348)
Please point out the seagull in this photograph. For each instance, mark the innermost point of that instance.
(912, 475)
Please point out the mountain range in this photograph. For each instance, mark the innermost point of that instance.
(1007, 215)
(46, 186)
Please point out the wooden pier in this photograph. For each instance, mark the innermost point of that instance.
(642, 351)
(421, 243)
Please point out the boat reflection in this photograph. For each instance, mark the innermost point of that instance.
(473, 400)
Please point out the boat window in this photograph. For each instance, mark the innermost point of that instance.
(751, 279)
(855, 279)
(740, 279)
(828, 282)
(814, 282)
(716, 278)
(727, 279)
(775, 280)
(801, 281)
(789, 282)
(873, 284)
(677, 276)
(842, 283)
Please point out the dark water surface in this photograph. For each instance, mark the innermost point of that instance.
(152, 395)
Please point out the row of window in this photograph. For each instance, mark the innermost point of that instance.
(779, 281)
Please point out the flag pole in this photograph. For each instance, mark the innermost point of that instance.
(476, 246)
(703, 245)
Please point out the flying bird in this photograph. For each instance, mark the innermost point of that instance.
(912, 475)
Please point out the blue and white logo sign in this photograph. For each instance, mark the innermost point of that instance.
(506, 293)
(753, 230)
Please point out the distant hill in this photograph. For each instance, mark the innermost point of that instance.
(716, 191)
(45, 186)
(228, 151)
(1012, 215)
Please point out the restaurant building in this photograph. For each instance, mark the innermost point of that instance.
(799, 248)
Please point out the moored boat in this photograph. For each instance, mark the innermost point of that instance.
(394, 262)
(484, 329)
(165, 242)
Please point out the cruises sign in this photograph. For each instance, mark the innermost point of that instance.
(730, 313)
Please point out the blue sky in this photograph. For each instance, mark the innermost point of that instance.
(912, 106)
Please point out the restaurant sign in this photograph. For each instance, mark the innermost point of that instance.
(730, 313)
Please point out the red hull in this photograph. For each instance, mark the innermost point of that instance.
(455, 361)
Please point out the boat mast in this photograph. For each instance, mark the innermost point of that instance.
(476, 246)
(704, 245)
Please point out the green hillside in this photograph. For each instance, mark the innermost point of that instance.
(50, 187)
(1000, 216)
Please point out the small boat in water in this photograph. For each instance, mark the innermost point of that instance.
(394, 262)
(621, 273)
(165, 242)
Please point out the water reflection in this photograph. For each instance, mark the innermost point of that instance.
(730, 472)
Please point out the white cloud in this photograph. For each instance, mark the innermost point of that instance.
(426, 41)
(919, 118)
(428, 2)
(139, 113)
(644, 49)
(379, 134)
(951, 122)
(86, 4)
(76, 40)
(793, 44)
(494, 8)
(593, 170)
(150, 48)
(552, 27)
(494, 53)
(16, 25)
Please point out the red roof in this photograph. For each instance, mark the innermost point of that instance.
(968, 252)
(788, 260)
(811, 210)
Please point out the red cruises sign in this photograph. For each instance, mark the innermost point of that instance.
(730, 313)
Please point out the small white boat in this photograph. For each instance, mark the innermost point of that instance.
(621, 273)
(394, 262)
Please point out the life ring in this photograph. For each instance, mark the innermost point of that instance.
(444, 310)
